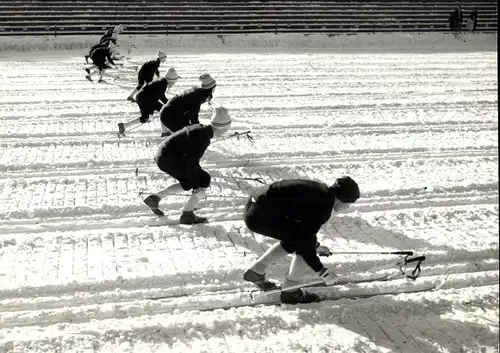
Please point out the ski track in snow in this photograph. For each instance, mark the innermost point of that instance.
(80, 254)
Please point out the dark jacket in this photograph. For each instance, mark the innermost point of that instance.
(107, 35)
(152, 92)
(188, 144)
(308, 203)
(150, 68)
(100, 54)
(184, 108)
(102, 44)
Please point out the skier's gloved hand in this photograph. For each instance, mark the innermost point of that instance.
(323, 251)
(329, 278)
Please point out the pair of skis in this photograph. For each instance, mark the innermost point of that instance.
(409, 267)
(401, 265)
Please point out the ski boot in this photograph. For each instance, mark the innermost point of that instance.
(299, 296)
(259, 280)
(89, 78)
(153, 201)
(188, 217)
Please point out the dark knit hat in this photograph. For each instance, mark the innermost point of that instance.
(345, 189)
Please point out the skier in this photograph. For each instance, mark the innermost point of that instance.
(179, 156)
(147, 72)
(104, 43)
(112, 33)
(110, 36)
(99, 56)
(293, 211)
(151, 98)
(184, 109)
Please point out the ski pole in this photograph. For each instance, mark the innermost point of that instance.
(414, 275)
(142, 192)
(237, 135)
(137, 172)
(130, 129)
(402, 265)
(258, 180)
(405, 252)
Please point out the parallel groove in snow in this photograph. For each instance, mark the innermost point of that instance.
(79, 252)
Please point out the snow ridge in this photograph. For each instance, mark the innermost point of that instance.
(81, 256)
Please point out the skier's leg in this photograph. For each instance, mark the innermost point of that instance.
(101, 73)
(296, 296)
(271, 256)
(256, 273)
(165, 119)
(122, 127)
(261, 219)
(130, 98)
(198, 193)
(188, 216)
(157, 107)
(140, 83)
(297, 269)
(90, 74)
(165, 131)
(145, 112)
(153, 200)
(87, 69)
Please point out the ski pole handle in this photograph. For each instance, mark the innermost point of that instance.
(407, 253)
(416, 259)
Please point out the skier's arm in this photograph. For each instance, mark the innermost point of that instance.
(163, 98)
(195, 112)
(194, 153)
(193, 169)
(110, 59)
(308, 253)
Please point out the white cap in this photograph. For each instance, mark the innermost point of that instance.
(221, 120)
(172, 75)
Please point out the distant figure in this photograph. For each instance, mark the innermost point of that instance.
(151, 98)
(455, 19)
(99, 57)
(147, 72)
(472, 21)
(110, 36)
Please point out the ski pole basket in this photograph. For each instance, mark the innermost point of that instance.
(416, 270)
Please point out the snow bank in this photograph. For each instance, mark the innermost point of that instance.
(272, 42)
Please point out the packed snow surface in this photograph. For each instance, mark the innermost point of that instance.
(412, 118)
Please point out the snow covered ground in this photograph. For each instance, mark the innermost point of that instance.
(80, 254)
